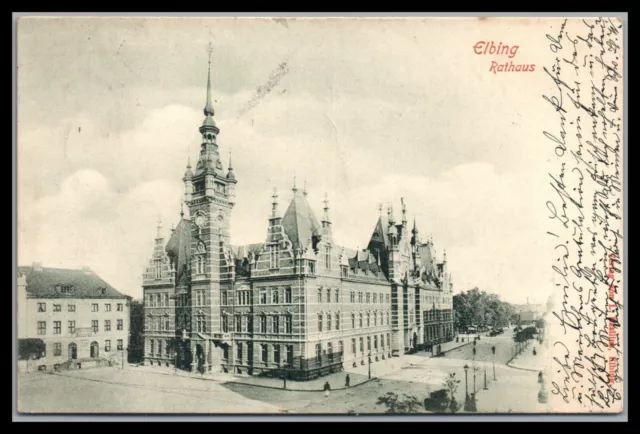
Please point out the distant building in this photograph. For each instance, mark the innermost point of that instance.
(74, 318)
(297, 299)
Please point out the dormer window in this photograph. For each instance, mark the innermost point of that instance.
(312, 268)
(345, 271)
(103, 291)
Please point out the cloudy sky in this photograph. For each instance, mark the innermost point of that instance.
(368, 111)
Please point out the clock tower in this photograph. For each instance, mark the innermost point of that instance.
(210, 197)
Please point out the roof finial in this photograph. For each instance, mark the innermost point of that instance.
(181, 208)
(380, 208)
(159, 226)
(208, 108)
(444, 252)
(326, 209)
(390, 212)
(274, 203)
(230, 166)
(305, 187)
(404, 211)
(415, 226)
(294, 182)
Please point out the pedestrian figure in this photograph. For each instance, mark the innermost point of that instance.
(327, 389)
(474, 350)
(347, 381)
(534, 351)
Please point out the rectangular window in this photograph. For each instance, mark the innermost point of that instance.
(360, 320)
(319, 295)
(345, 271)
(368, 343)
(360, 297)
(57, 308)
(94, 307)
(327, 258)
(57, 327)
(287, 295)
(319, 322)
(328, 322)
(71, 307)
(263, 296)
(72, 326)
(382, 341)
(289, 355)
(352, 297)
(362, 345)
(94, 325)
(287, 324)
(265, 353)
(319, 353)
(119, 345)
(42, 307)
(107, 345)
(263, 323)
(275, 296)
(224, 298)
(120, 324)
(368, 297)
(239, 351)
(353, 320)
(276, 324)
(330, 351)
(238, 323)
(151, 346)
(328, 295)
(276, 354)
(368, 320)
(57, 349)
(107, 307)
(225, 324)
(375, 298)
(353, 346)
(375, 342)
(337, 296)
(107, 325)
(338, 321)
(312, 268)
(375, 318)
(388, 340)
(120, 307)
(159, 347)
(225, 352)
(273, 257)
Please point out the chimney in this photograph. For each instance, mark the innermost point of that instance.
(37, 266)
(86, 269)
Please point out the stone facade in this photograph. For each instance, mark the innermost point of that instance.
(296, 302)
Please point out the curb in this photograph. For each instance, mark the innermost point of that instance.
(299, 390)
(454, 348)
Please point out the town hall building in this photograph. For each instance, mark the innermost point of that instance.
(294, 302)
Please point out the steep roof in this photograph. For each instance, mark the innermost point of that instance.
(179, 249)
(299, 222)
(380, 237)
(49, 282)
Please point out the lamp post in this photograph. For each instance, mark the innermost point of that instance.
(485, 380)
(493, 350)
(466, 388)
(284, 376)
(369, 365)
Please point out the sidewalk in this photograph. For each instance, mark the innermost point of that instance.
(528, 362)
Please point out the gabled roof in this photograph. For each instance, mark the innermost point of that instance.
(179, 250)
(380, 237)
(299, 222)
(49, 282)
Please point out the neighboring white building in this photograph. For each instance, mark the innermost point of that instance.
(77, 318)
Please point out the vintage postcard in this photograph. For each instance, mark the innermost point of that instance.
(320, 215)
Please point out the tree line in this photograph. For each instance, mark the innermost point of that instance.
(478, 309)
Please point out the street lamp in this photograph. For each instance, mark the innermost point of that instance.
(493, 350)
(466, 388)
(369, 365)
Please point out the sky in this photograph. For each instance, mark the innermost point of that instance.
(366, 111)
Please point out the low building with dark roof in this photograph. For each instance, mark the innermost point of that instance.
(73, 317)
(295, 302)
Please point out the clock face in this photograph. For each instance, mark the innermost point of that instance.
(200, 220)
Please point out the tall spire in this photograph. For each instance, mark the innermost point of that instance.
(404, 212)
(415, 227)
(208, 108)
